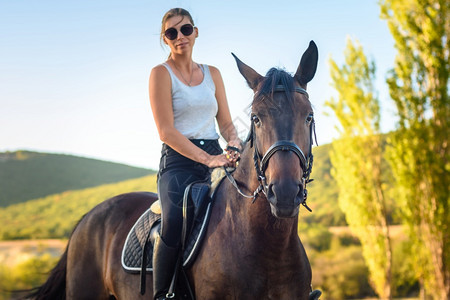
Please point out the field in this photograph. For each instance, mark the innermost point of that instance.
(25, 263)
(15, 252)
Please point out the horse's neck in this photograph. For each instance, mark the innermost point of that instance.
(256, 218)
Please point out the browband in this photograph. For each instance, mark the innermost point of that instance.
(280, 88)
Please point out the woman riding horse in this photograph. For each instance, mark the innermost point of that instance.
(186, 99)
(251, 248)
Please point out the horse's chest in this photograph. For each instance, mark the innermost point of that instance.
(244, 277)
(235, 265)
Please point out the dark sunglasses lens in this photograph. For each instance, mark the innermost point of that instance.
(187, 29)
(171, 33)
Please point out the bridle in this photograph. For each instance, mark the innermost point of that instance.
(261, 162)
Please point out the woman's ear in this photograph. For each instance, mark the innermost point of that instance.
(196, 32)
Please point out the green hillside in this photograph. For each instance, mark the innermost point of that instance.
(26, 175)
(55, 216)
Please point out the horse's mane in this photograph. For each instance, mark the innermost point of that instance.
(274, 77)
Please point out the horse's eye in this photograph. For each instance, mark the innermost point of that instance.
(310, 118)
(256, 120)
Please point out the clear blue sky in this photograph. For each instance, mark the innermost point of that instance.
(73, 75)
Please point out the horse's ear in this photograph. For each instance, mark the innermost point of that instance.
(251, 76)
(308, 65)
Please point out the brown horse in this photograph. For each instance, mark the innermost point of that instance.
(251, 248)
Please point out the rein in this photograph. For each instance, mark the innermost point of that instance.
(261, 163)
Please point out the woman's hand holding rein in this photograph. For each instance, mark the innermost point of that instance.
(219, 161)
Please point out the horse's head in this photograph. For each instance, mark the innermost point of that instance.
(282, 125)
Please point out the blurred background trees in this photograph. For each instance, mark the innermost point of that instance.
(418, 149)
(356, 158)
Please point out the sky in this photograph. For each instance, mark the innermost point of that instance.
(74, 74)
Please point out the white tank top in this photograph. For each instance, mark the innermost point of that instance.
(194, 107)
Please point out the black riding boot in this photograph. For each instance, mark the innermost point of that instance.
(164, 263)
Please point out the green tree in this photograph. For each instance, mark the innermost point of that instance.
(419, 153)
(356, 159)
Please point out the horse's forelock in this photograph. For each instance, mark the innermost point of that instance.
(274, 77)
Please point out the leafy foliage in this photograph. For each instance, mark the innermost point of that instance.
(356, 159)
(419, 149)
(26, 175)
(403, 277)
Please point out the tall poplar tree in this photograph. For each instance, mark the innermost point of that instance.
(419, 154)
(356, 159)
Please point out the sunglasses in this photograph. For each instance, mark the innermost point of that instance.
(172, 33)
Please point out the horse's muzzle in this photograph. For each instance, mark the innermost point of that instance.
(285, 198)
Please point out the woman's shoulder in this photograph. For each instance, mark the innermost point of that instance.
(212, 69)
(215, 73)
(160, 72)
(161, 68)
(160, 78)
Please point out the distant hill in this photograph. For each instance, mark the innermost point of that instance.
(55, 216)
(26, 175)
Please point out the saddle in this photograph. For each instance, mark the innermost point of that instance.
(137, 252)
(146, 228)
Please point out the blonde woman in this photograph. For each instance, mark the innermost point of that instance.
(186, 99)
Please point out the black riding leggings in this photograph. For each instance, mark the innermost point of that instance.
(176, 172)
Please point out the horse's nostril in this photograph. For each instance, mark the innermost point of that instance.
(270, 193)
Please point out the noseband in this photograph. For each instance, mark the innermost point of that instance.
(261, 162)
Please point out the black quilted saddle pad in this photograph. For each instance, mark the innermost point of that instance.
(134, 244)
